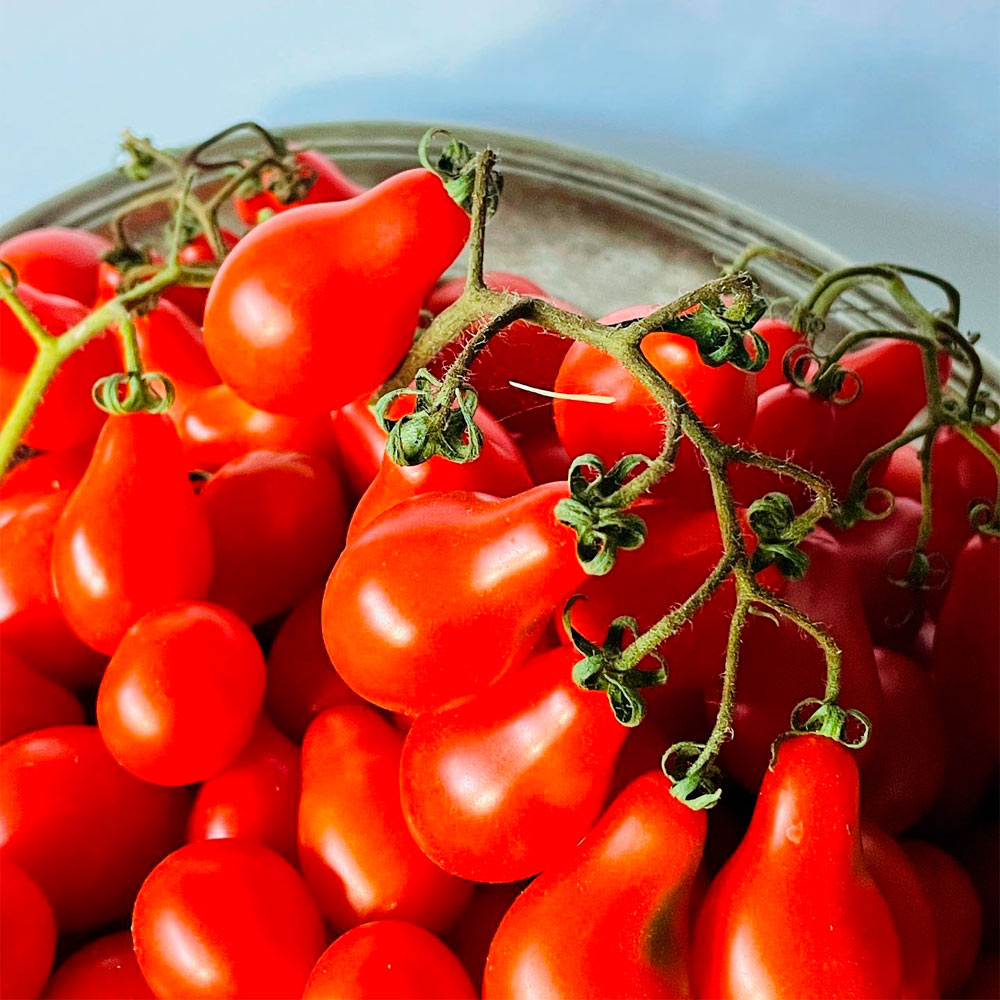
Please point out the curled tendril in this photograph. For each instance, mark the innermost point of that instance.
(8, 275)
(830, 383)
(275, 144)
(698, 787)
(771, 518)
(456, 166)
(806, 322)
(915, 569)
(140, 394)
(985, 409)
(796, 362)
(845, 725)
(983, 517)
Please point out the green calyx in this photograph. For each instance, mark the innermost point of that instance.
(847, 726)
(601, 526)
(697, 785)
(435, 427)
(456, 166)
(771, 518)
(140, 394)
(139, 162)
(720, 333)
(599, 670)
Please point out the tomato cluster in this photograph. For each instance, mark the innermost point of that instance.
(282, 718)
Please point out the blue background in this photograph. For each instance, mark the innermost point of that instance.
(873, 126)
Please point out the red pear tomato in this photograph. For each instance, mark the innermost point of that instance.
(50, 472)
(84, 829)
(30, 700)
(445, 592)
(105, 969)
(296, 295)
(625, 891)
(278, 520)
(780, 337)
(181, 695)
(354, 848)
(134, 493)
(27, 934)
(799, 876)
(388, 958)
(57, 261)
(226, 918)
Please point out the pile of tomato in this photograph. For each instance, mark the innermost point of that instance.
(282, 718)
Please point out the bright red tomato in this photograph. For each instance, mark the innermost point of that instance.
(780, 337)
(725, 399)
(625, 891)
(58, 261)
(388, 958)
(81, 826)
(354, 848)
(27, 934)
(105, 969)
(66, 417)
(799, 876)
(291, 299)
(46, 473)
(448, 591)
(254, 798)
(226, 918)
(30, 700)
(216, 426)
(473, 933)
(301, 680)
(135, 493)
(278, 521)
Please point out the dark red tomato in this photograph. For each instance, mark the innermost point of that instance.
(965, 666)
(226, 918)
(181, 695)
(473, 933)
(105, 969)
(46, 473)
(216, 426)
(498, 471)
(897, 881)
(984, 983)
(354, 848)
(388, 958)
(544, 454)
(134, 494)
(301, 680)
(66, 417)
(956, 911)
(254, 798)
(524, 352)
(908, 747)
(189, 298)
(57, 261)
(780, 339)
(625, 891)
(799, 876)
(901, 474)
(30, 617)
(330, 184)
(294, 296)
(445, 592)
(80, 825)
(278, 520)
(780, 665)
(505, 784)
(27, 934)
(725, 399)
(978, 850)
(30, 700)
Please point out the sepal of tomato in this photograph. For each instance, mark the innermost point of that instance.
(56, 261)
(30, 700)
(105, 969)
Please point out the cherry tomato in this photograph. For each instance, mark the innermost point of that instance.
(31, 619)
(277, 521)
(444, 593)
(354, 848)
(216, 426)
(725, 399)
(190, 299)
(388, 958)
(27, 934)
(293, 296)
(473, 933)
(58, 261)
(799, 876)
(254, 798)
(66, 417)
(780, 337)
(105, 969)
(30, 700)
(625, 892)
(80, 825)
(955, 909)
(301, 680)
(226, 918)
(133, 536)
(498, 788)
(46, 473)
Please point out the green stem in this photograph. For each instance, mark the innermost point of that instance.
(755, 250)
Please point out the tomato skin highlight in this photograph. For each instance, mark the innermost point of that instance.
(355, 851)
(626, 892)
(388, 958)
(84, 828)
(804, 835)
(135, 489)
(497, 569)
(27, 934)
(225, 918)
(56, 261)
(105, 969)
(30, 700)
(181, 695)
(288, 301)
